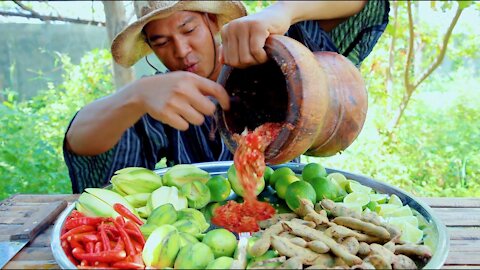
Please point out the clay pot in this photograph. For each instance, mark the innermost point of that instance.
(322, 95)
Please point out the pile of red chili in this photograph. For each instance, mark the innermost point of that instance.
(99, 242)
(249, 161)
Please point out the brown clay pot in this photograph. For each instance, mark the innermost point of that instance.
(321, 95)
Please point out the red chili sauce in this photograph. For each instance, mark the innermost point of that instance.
(249, 161)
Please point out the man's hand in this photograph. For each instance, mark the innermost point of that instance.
(179, 98)
(243, 39)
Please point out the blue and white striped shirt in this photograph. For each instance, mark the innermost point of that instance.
(148, 141)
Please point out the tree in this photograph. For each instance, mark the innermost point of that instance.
(411, 82)
(116, 20)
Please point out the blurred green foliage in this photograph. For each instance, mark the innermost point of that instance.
(31, 158)
(433, 152)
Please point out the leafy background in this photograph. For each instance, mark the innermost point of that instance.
(433, 151)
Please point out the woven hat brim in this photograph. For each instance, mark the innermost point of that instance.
(129, 45)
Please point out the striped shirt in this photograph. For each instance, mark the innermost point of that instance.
(148, 141)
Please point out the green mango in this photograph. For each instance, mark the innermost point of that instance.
(194, 215)
(220, 263)
(110, 197)
(164, 195)
(161, 247)
(197, 193)
(147, 229)
(194, 256)
(143, 212)
(138, 199)
(164, 214)
(188, 226)
(186, 238)
(237, 186)
(134, 180)
(181, 174)
(93, 206)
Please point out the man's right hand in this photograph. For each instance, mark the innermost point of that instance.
(176, 99)
(179, 98)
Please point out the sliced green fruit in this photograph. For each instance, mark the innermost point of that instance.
(197, 193)
(410, 233)
(381, 209)
(397, 212)
(339, 178)
(181, 174)
(161, 247)
(378, 198)
(354, 186)
(400, 220)
(361, 199)
(164, 195)
(394, 199)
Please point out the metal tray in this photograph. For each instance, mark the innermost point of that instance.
(436, 228)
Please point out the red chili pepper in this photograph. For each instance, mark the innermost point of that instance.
(104, 237)
(126, 213)
(90, 247)
(95, 267)
(120, 220)
(85, 237)
(76, 222)
(75, 244)
(126, 239)
(76, 214)
(98, 247)
(120, 245)
(77, 230)
(128, 265)
(104, 256)
(134, 230)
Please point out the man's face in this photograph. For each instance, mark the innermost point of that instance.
(183, 41)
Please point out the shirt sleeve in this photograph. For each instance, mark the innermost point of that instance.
(353, 38)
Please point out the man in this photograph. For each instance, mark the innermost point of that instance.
(170, 115)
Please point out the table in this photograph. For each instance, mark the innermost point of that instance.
(460, 215)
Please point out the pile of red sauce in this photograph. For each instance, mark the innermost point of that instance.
(249, 161)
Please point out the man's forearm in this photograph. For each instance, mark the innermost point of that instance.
(319, 10)
(100, 125)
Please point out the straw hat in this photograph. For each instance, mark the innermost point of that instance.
(129, 45)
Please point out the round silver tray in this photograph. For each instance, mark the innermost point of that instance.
(436, 228)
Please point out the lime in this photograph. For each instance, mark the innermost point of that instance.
(279, 173)
(378, 198)
(397, 212)
(354, 186)
(313, 170)
(326, 188)
(282, 183)
(219, 188)
(221, 241)
(299, 190)
(372, 205)
(339, 178)
(357, 198)
(383, 208)
(394, 199)
(410, 233)
(352, 206)
(267, 174)
(400, 220)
